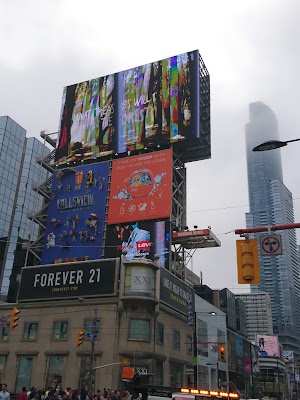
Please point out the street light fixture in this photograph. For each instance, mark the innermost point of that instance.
(92, 341)
(273, 144)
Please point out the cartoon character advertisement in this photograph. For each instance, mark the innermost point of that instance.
(140, 239)
(141, 188)
(75, 224)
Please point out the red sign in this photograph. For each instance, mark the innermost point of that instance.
(143, 245)
(141, 188)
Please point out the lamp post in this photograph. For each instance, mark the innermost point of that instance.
(273, 144)
(92, 341)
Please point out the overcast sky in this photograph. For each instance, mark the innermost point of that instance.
(251, 49)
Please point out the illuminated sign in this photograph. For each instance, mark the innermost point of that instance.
(141, 188)
(174, 293)
(143, 107)
(141, 239)
(267, 345)
(210, 393)
(74, 230)
(73, 280)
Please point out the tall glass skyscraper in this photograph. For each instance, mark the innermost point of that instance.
(18, 171)
(271, 203)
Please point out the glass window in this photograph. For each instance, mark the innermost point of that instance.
(158, 375)
(55, 370)
(4, 333)
(176, 340)
(159, 334)
(139, 329)
(84, 373)
(88, 327)
(2, 367)
(176, 375)
(60, 329)
(24, 373)
(189, 345)
(30, 330)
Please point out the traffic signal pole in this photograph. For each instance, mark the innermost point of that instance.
(267, 228)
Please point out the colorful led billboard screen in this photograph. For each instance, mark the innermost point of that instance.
(141, 187)
(140, 239)
(147, 106)
(76, 213)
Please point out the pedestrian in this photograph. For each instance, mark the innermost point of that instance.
(4, 395)
(22, 395)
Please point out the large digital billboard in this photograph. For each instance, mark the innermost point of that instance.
(141, 188)
(140, 239)
(267, 345)
(75, 223)
(143, 107)
(81, 279)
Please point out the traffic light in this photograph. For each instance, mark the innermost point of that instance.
(247, 261)
(14, 318)
(80, 336)
(222, 352)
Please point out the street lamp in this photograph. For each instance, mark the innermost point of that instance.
(273, 144)
(92, 341)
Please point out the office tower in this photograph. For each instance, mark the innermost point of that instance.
(18, 171)
(271, 203)
(258, 313)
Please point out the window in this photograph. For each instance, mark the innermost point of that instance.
(176, 375)
(55, 369)
(189, 345)
(60, 329)
(84, 372)
(139, 329)
(158, 376)
(24, 373)
(4, 332)
(30, 331)
(2, 367)
(176, 340)
(159, 334)
(88, 327)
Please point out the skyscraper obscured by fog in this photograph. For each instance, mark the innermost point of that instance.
(18, 171)
(271, 203)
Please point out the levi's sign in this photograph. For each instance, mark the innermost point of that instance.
(88, 278)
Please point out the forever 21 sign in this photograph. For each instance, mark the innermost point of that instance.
(61, 281)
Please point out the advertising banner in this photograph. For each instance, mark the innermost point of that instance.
(141, 188)
(160, 102)
(75, 223)
(174, 293)
(146, 106)
(81, 279)
(267, 345)
(87, 120)
(140, 239)
(288, 356)
(140, 280)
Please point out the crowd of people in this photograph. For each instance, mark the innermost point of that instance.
(65, 394)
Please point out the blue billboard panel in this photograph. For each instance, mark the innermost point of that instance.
(75, 223)
(140, 239)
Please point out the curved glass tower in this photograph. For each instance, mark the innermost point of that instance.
(271, 203)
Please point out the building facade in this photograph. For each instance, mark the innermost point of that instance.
(18, 171)
(143, 322)
(258, 314)
(271, 203)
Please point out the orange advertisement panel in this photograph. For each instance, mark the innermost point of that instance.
(141, 187)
